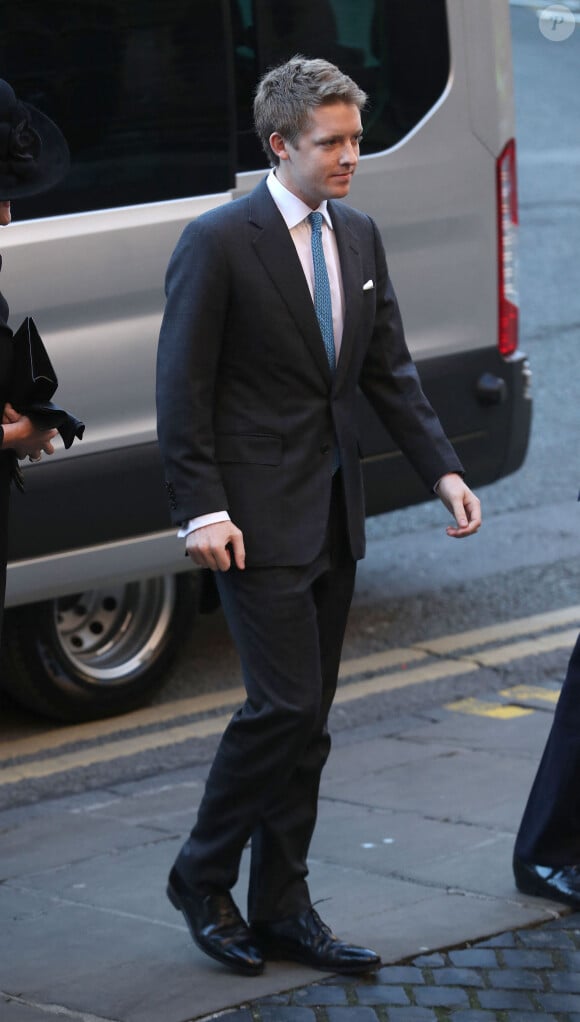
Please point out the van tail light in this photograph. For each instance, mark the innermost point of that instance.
(507, 235)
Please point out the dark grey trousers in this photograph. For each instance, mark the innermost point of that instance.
(288, 625)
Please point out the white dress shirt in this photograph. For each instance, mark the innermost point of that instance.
(295, 213)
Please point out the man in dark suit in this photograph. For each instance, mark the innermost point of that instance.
(278, 305)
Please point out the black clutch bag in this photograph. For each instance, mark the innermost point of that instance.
(33, 383)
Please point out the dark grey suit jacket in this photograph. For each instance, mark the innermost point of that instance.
(247, 408)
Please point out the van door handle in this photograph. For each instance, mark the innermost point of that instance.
(491, 389)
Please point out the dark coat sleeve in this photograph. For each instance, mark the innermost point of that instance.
(187, 367)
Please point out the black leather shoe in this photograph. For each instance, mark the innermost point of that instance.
(558, 883)
(216, 926)
(305, 938)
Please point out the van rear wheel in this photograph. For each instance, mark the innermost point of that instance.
(97, 653)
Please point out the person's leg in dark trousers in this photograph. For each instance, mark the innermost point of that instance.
(284, 621)
(549, 833)
(281, 840)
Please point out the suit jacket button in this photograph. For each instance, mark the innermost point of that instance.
(325, 448)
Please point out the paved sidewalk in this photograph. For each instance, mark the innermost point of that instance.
(411, 856)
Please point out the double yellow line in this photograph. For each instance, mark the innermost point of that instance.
(462, 653)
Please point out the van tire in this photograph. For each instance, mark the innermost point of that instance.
(97, 653)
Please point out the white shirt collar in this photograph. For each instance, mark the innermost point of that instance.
(293, 209)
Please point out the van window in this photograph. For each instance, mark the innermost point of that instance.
(396, 50)
(142, 90)
(155, 96)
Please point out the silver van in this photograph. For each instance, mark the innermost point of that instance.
(155, 99)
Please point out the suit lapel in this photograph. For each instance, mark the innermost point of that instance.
(352, 283)
(277, 252)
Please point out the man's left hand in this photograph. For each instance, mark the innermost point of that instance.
(462, 503)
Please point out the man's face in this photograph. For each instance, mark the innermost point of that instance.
(321, 163)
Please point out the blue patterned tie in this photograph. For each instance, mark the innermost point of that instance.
(322, 302)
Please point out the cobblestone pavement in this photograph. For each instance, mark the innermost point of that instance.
(530, 975)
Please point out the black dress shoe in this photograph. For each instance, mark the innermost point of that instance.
(305, 938)
(216, 926)
(558, 883)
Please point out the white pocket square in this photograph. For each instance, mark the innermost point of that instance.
(369, 285)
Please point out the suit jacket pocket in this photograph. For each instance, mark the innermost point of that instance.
(248, 448)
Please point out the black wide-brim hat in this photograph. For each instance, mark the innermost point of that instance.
(34, 155)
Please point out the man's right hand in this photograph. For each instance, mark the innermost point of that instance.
(208, 546)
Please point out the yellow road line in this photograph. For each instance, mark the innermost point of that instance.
(447, 668)
(378, 661)
(531, 693)
(506, 711)
(481, 708)
(117, 725)
(531, 647)
(506, 630)
(126, 746)
(57, 738)
(113, 750)
(403, 679)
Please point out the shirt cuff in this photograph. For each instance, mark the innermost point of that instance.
(200, 521)
(438, 483)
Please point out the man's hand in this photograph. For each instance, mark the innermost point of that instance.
(462, 503)
(208, 546)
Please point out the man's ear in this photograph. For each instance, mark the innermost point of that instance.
(278, 145)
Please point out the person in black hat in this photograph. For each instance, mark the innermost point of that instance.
(33, 158)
